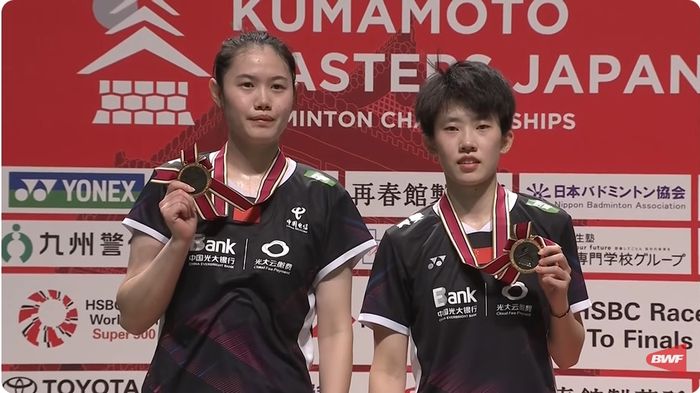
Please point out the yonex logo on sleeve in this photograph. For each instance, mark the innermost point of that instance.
(436, 261)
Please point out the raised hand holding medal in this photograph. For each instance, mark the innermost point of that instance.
(213, 198)
(554, 276)
(514, 251)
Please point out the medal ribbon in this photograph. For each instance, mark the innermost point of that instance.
(503, 237)
(213, 203)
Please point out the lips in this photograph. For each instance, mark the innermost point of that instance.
(467, 161)
(262, 118)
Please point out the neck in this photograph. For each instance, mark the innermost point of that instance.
(473, 204)
(246, 164)
(249, 160)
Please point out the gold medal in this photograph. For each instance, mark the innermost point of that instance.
(524, 255)
(197, 176)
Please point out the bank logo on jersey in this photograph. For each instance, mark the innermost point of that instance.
(48, 318)
(455, 304)
(16, 246)
(42, 191)
(436, 261)
(212, 253)
(274, 250)
(200, 242)
(297, 223)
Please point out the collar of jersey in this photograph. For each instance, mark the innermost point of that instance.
(291, 167)
(512, 197)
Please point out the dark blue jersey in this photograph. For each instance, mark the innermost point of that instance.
(471, 332)
(240, 318)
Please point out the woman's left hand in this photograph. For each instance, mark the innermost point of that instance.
(554, 275)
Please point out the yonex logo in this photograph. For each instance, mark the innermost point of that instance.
(298, 212)
(436, 261)
(71, 190)
(48, 318)
(16, 246)
(35, 189)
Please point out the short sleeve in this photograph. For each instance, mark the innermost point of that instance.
(145, 216)
(578, 295)
(346, 236)
(387, 299)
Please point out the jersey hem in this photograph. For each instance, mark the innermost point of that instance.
(133, 224)
(580, 306)
(372, 319)
(356, 251)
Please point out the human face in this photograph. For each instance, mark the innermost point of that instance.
(468, 147)
(257, 96)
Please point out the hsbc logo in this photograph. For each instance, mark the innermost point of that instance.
(670, 359)
(48, 318)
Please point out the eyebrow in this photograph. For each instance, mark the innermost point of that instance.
(452, 119)
(276, 77)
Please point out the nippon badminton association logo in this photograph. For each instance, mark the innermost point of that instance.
(48, 318)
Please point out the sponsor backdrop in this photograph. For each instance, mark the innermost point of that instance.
(96, 93)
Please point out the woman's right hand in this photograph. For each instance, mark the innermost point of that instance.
(179, 211)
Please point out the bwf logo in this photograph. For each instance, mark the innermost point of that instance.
(671, 359)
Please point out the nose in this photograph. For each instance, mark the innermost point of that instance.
(262, 101)
(466, 142)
